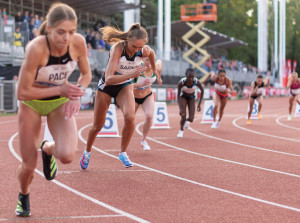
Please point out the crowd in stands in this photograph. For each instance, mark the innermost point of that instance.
(28, 24)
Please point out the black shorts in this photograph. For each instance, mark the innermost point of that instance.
(141, 100)
(256, 96)
(187, 97)
(111, 90)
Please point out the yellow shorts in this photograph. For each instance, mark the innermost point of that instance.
(44, 107)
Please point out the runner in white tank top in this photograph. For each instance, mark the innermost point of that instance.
(144, 97)
(123, 65)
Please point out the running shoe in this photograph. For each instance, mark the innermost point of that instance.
(85, 159)
(49, 164)
(23, 206)
(289, 118)
(180, 134)
(125, 159)
(217, 124)
(259, 116)
(248, 122)
(186, 124)
(145, 145)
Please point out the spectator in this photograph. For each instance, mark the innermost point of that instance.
(4, 16)
(25, 17)
(33, 33)
(18, 17)
(17, 37)
(37, 22)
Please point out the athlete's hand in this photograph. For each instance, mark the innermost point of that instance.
(71, 91)
(147, 81)
(140, 71)
(72, 108)
(199, 107)
(159, 80)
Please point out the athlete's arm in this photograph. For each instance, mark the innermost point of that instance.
(148, 52)
(83, 63)
(230, 86)
(213, 76)
(289, 83)
(201, 96)
(178, 97)
(252, 91)
(159, 69)
(267, 82)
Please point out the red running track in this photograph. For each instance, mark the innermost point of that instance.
(237, 173)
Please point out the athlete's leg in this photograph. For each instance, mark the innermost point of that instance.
(259, 100)
(251, 103)
(102, 103)
(125, 100)
(29, 130)
(223, 103)
(182, 112)
(148, 107)
(216, 106)
(291, 102)
(191, 107)
(297, 98)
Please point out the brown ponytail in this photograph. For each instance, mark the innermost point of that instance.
(112, 35)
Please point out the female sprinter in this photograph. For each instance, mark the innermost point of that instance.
(44, 90)
(257, 88)
(294, 85)
(143, 96)
(186, 98)
(123, 65)
(222, 83)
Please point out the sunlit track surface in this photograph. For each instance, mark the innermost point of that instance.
(230, 174)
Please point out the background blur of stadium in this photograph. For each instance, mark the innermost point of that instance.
(233, 42)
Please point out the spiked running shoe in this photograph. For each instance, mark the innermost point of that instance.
(259, 116)
(85, 159)
(186, 124)
(49, 164)
(23, 206)
(125, 159)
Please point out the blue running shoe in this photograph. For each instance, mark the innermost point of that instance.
(85, 159)
(125, 159)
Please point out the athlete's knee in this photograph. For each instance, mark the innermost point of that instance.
(66, 158)
(149, 117)
(97, 127)
(129, 118)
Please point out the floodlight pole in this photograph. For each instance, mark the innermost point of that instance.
(160, 46)
(167, 50)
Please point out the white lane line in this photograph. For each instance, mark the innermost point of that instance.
(63, 217)
(242, 144)
(191, 181)
(261, 133)
(287, 126)
(213, 157)
(123, 213)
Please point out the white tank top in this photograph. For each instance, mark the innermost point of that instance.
(142, 78)
(128, 65)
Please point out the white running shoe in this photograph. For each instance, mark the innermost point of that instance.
(186, 124)
(180, 134)
(215, 125)
(145, 146)
(289, 118)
